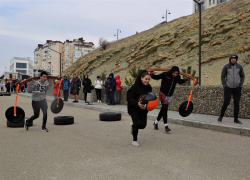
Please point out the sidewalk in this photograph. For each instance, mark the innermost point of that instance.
(194, 120)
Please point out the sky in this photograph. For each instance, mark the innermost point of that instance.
(26, 23)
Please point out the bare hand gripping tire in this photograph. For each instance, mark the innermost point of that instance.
(63, 120)
(110, 116)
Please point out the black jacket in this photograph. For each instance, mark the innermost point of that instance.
(86, 83)
(112, 82)
(168, 82)
(135, 92)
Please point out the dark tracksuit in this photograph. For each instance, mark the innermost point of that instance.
(232, 79)
(168, 83)
(86, 86)
(139, 116)
(112, 86)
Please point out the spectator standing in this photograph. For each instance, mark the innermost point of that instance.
(98, 89)
(25, 86)
(86, 83)
(11, 85)
(232, 79)
(65, 87)
(56, 87)
(2, 86)
(22, 88)
(118, 89)
(106, 89)
(112, 88)
(75, 86)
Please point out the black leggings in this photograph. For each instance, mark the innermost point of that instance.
(37, 105)
(163, 113)
(139, 122)
(98, 94)
(227, 98)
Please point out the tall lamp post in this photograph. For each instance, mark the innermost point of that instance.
(116, 34)
(60, 60)
(199, 5)
(167, 12)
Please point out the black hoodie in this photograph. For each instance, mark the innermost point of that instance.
(112, 82)
(134, 93)
(86, 83)
(168, 82)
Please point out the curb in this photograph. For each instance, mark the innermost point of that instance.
(196, 124)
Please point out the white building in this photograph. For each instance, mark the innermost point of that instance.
(205, 4)
(22, 65)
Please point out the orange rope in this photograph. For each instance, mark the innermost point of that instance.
(17, 89)
(59, 92)
(189, 97)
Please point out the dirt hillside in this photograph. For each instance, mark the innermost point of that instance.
(225, 29)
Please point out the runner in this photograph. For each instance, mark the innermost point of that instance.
(136, 110)
(168, 83)
(38, 90)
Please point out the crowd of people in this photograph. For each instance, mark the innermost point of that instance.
(112, 88)
(10, 86)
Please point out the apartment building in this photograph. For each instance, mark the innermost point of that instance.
(47, 56)
(205, 4)
(22, 65)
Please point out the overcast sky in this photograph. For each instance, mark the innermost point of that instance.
(24, 24)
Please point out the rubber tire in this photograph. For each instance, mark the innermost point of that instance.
(5, 94)
(63, 120)
(110, 116)
(19, 124)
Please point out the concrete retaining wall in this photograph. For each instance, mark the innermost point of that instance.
(206, 99)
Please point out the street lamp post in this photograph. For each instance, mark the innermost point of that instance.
(199, 5)
(60, 60)
(116, 34)
(166, 14)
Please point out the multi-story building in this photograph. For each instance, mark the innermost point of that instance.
(22, 65)
(47, 56)
(205, 4)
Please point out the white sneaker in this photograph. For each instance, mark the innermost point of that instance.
(135, 143)
(100, 101)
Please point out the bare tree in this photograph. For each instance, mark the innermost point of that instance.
(103, 43)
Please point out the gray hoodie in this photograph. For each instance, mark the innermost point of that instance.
(38, 90)
(232, 75)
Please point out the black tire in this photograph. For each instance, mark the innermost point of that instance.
(110, 116)
(63, 120)
(19, 124)
(5, 94)
(15, 125)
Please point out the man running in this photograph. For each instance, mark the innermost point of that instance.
(38, 90)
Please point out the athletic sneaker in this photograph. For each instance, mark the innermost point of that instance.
(237, 121)
(45, 129)
(155, 126)
(26, 126)
(167, 129)
(135, 143)
(220, 118)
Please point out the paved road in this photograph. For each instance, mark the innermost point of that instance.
(93, 149)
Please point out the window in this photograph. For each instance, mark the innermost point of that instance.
(21, 65)
(22, 71)
(213, 1)
(209, 2)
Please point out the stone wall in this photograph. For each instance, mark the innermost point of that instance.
(206, 99)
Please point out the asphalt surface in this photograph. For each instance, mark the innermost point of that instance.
(93, 149)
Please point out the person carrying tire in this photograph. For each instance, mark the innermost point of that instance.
(136, 110)
(38, 90)
(232, 79)
(168, 83)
